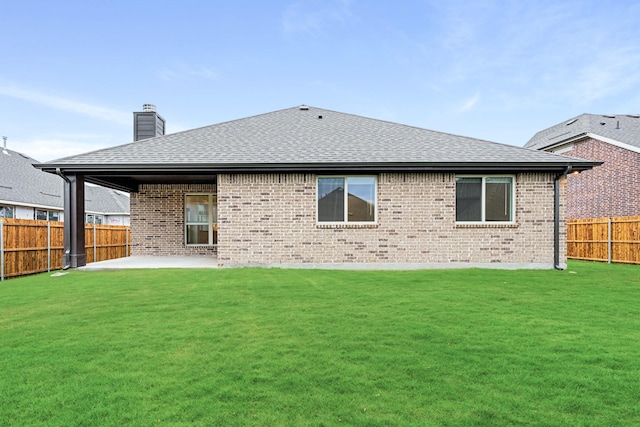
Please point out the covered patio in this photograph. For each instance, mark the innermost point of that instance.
(153, 262)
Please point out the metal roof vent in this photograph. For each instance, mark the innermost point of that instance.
(148, 108)
(304, 107)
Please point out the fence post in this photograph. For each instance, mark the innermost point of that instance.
(1, 250)
(609, 240)
(126, 246)
(95, 250)
(48, 246)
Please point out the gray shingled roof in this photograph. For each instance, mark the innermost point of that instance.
(623, 128)
(104, 200)
(308, 137)
(22, 184)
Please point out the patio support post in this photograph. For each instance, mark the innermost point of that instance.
(74, 250)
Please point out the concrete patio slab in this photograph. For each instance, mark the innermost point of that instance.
(153, 262)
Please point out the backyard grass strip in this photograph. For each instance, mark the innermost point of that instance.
(319, 348)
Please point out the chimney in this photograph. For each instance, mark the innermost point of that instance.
(147, 123)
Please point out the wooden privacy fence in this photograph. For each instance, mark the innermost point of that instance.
(604, 239)
(31, 246)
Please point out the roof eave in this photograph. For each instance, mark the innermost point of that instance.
(564, 141)
(315, 167)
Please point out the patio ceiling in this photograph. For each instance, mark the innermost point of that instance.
(129, 182)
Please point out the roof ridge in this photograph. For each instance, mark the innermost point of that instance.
(11, 152)
(294, 138)
(457, 135)
(150, 140)
(114, 196)
(624, 128)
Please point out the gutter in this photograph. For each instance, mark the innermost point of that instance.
(556, 218)
(29, 205)
(66, 259)
(110, 170)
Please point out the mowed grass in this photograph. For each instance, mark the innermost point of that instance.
(271, 347)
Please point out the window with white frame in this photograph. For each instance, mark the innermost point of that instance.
(346, 199)
(485, 199)
(6, 212)
(201, 219)
(94, 219)
(45, 215)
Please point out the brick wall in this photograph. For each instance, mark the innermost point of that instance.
(157, 220)
(609, 190)
(270, 219)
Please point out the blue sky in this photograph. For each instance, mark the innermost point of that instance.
(72, 72)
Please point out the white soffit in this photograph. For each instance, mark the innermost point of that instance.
(614, 142)
(560, 147)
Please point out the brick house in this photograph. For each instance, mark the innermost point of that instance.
(612, 189)
(311, 187)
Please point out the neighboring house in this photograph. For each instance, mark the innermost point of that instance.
(612, 189)
(311, 187)
(29, 193)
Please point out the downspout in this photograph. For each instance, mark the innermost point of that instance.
(66, 259)
(556, 219)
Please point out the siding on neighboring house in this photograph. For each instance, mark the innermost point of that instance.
(26, 212)
(116, 219)
(610, 190)
(271, 219)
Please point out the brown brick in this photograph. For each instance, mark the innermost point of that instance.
(609, 190)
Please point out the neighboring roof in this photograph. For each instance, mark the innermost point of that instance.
(306, 139)
(22, 184)
(620, 129)
(105, 200)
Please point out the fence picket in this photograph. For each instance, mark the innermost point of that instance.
(1, 250)
(48, 246)
(604, 239)
(32, 246)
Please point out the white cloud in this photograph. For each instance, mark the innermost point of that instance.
(469, 103)
(308, 16)
(537, 54)
(612, 73)
(45, 150)
(58, 103)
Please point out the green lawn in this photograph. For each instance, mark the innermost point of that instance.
(322, 348)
